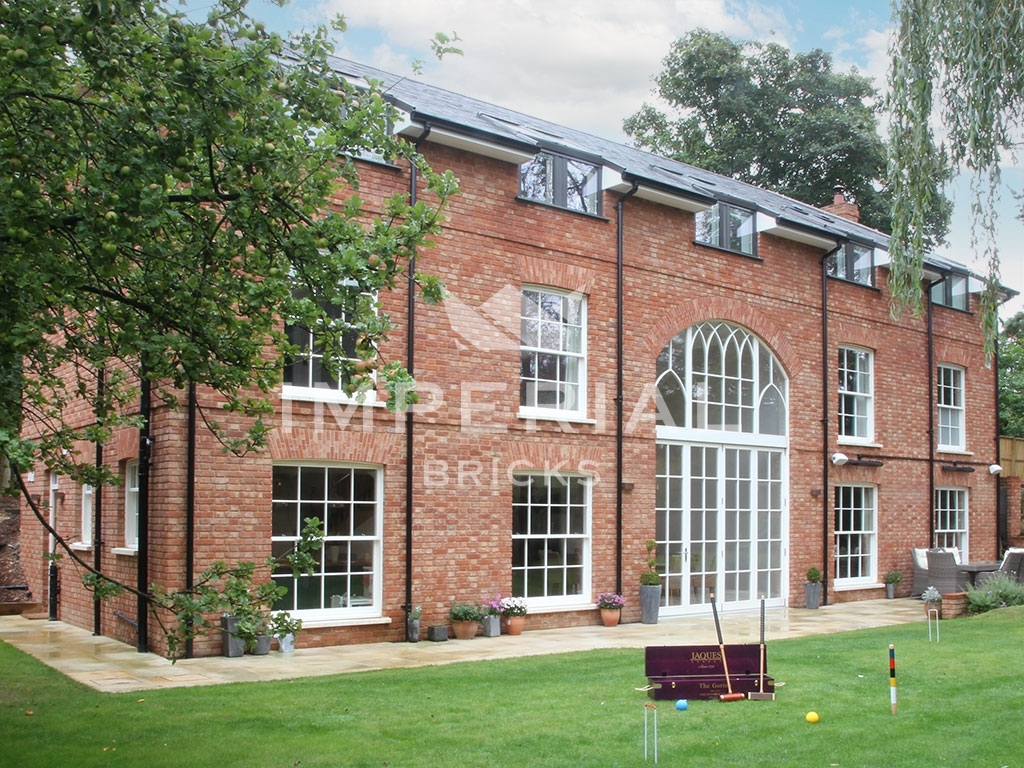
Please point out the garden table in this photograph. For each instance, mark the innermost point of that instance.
(973, 569)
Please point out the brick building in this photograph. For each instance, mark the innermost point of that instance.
(632, 349)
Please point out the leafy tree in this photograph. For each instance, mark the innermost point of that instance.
(783, 122)
(963, 60)
(1011, 377)
(173, 192)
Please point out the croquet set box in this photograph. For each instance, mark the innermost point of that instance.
(697, 672)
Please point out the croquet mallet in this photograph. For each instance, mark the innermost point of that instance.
(759, 694)
(730, 696)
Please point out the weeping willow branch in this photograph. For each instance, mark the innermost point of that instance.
(959, 62)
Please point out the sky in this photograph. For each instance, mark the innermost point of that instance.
(589, 64)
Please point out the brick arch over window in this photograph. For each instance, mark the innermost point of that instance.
(568, 277)
(855, 334)
(699, 310)
(333, 445)
(525, 454)
(956, 354)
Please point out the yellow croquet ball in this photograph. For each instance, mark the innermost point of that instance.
(812, 717)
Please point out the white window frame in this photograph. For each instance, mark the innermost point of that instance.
(949, 395)
(555, 540)
(315, 389)
(849, 532)
(344, 607)
(747, 394)
(531, 387)
(54, 500)
(952, 519)
(861, 396)
(131, 505)
(85, 539)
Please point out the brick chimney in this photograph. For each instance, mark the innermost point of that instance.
(842, 207)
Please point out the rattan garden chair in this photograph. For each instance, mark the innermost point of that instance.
(944, 573)
(919, 557)
(1011, 566)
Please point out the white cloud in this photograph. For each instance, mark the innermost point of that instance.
(584, 64)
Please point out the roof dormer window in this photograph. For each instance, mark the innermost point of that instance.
(729, 227)
(951, 292)
(854, 263)
(561, 181)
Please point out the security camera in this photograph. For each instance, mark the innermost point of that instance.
(839, 459)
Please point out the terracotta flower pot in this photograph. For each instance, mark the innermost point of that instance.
(610, 616)
(464, 630)
(514, 624)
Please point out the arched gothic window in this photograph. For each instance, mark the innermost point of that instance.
(720, 377)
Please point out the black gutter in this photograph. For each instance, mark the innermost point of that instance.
(190, 503)
(619, 388)
(142, 562)
(97, 513)
(434, 121)
(411, 367)
(668, 189)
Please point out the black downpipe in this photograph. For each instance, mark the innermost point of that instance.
(54, 590)
(826, 394)
(619, 387)
(1002, 524)
(931, 418)
(97, 514)
(190, 503)
(142, 584)
(411, 367)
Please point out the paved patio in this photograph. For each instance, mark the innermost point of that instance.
(111, 666)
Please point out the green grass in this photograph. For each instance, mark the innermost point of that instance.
(960, 704)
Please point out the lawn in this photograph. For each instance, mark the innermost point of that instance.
(961, 702)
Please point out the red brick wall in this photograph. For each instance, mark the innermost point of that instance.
(468, 433)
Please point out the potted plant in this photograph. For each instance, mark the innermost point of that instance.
(254, 631)
(284, 628)
(465, 617)
(812, 589)
(650, 587)
(412, 623)
(245, 607)
(610, 604)
(492, 616)
(932, 600)
(513, 612)
(892, 578)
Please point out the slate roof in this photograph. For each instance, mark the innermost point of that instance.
(493, 123)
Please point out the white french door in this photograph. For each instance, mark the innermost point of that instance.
(721, 524)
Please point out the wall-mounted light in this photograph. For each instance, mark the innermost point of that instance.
(995, 469)
(839, 458)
